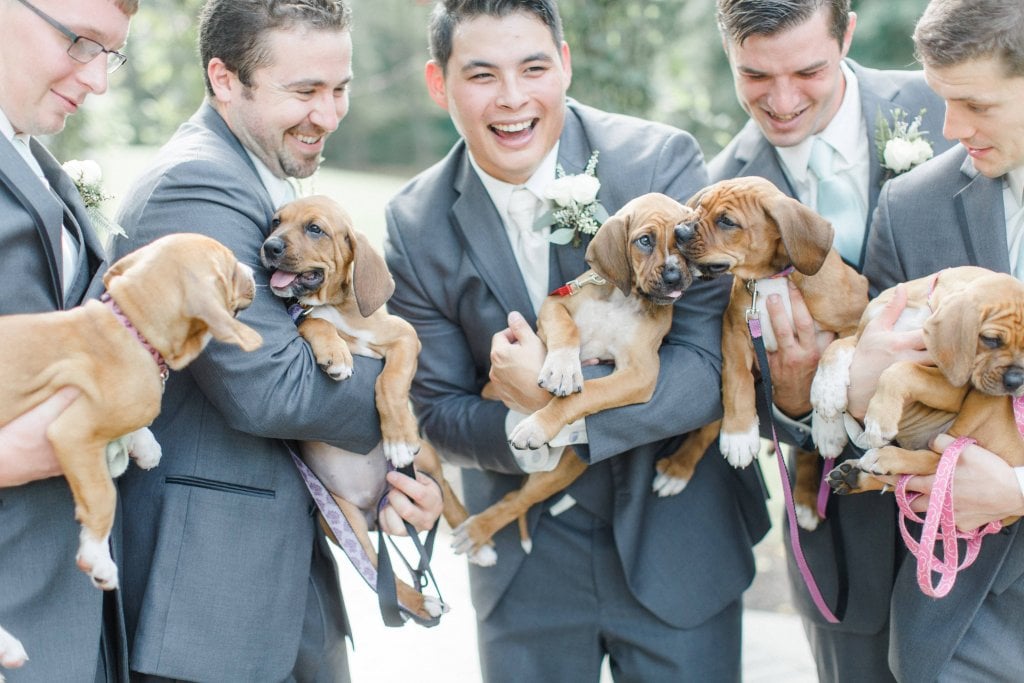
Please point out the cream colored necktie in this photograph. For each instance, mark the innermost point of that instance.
(529, 245)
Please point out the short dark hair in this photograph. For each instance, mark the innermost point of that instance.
(448, 14)
(235, 31)
(129, 7)
(740, 19)
(952, 32)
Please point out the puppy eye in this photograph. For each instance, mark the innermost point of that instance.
(314, 229)
(276, 222)
(991, 342)
(645, 242)
(725, 222)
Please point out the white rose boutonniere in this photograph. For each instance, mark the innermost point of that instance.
(902, 145)
(88, 177)
(576, 210)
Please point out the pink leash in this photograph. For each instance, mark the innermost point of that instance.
(939, 522)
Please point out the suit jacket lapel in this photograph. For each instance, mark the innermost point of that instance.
(758, 157)
(483, 235)
(877, 93)
(574, 150)
(43, 209)
(979, 207)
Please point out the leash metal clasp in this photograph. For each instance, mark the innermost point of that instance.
(753, 311)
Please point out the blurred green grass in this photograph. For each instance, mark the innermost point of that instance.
(362, 194)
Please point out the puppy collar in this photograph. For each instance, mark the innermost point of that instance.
(298, 311)
(119, 314)
(571, 287)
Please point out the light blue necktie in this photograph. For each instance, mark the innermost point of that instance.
(838, 201)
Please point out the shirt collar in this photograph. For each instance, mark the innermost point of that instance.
(836, 133)
(500, 192)
(1015, 181)
(280, 190)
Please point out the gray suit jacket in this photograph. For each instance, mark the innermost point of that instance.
(219, 537)
(46, 601)
(865, 521)
(685, 557)
(945, 214)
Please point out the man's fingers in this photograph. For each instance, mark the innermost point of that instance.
(519, 329)
(892, 310)
(781, 323)
(49, 409)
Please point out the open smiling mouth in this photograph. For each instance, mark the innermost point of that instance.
(511, 131)
(283, 280)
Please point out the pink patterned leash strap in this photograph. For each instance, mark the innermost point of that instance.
(939, 524)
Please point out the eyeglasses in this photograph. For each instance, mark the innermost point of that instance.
(82, 49)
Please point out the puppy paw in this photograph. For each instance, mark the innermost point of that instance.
(844, 478)
(806, 517)
(400, 453)
(528, 434)
(472, 540)
(740, 448)
(876, 434)
(12, 652)
(433, 606)
(337, 371)
(828, 389)
(829, 434)
(94, 559)
(667, 485)
(144, 448)
(562, 373)
(484, 556)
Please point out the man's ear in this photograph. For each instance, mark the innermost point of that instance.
(848, 38)
(566, 64)
(434, 75)
(221, 79)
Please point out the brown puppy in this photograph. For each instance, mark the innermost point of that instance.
(342, 283)
(174, 295)
(620, 311)
(971, 319)
(766, 240)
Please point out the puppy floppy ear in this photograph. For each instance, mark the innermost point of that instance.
(372, 283)
(806, 236)
(222, 324)
(951, 336)
(608, 252)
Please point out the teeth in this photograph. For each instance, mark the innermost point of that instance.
(512, 127)
(307, 140)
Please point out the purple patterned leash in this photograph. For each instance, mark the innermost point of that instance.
(342, 530)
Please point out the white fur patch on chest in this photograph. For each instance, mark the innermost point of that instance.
(362, 334)
(607, 326)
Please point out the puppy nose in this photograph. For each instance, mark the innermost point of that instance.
(1013, 379)
(671, 275)
(684, 232)
(273, 248)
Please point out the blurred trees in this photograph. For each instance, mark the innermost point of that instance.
(660, 59)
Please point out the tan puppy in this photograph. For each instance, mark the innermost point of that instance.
(173, 295)
(335, 274)
(972, 322)
(750, 229)
(621, 314)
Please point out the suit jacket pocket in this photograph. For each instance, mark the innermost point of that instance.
(223, 486)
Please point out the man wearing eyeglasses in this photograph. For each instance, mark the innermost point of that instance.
(52, 57)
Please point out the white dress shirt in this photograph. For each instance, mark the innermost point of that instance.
(536, 254)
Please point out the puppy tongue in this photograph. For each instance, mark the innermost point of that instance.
(675, 295)
(282, 278)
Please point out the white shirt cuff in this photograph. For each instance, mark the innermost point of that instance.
(1019, 471)
(545, 458)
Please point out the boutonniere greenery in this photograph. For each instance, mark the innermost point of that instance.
(575, 210)
(902, 145)
(88, 177)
